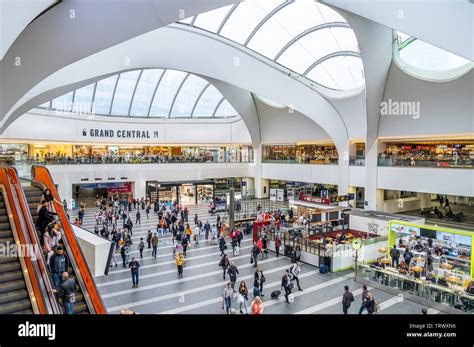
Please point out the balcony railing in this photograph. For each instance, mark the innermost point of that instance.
(126, 160)
(435, 161)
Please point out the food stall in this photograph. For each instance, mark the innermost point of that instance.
(452, 249)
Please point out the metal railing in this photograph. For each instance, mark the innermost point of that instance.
(434, 161)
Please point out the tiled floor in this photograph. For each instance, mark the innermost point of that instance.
(199, 291)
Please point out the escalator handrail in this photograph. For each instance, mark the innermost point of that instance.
(42, 177)
(36, 296)
(34, 238)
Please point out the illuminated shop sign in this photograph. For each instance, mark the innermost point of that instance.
(120, 134)
(314, 199)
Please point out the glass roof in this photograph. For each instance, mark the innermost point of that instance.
(422, 55)
(158, 93)
(306, 37)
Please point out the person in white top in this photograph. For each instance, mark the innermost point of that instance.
(197, 233)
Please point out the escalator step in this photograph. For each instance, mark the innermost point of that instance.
(9, 267)
(14, 296)
(3, 218)
(2, 204)
(15, 307)
(11, 276)
(5, 240)
(29, 311)
(5, 233)
(4, 226)
(8, 260)
(11, 286)
(79, 307)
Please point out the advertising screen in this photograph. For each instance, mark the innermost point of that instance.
(405, 229)
(462, 240)
(446, 237)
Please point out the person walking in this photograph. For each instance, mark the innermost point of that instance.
(254, 255)
(137, 217)
(197, 233)
(371, 304)
(134, 265)
(258, 280)
(347, 299)
(295, 269)
(232, 271)
(66, 292)
(243, 297)
(257, 306)
(148, 239)
(123, 254)
(224, 264)
(180, 263)
(207, 229)
(286, 285)
(185, 243)
(227, 296)
(222, 245)
(141, 247)
(154, 244)
(364, 303)
(277, 246)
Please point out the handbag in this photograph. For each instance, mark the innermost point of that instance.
(251, 260)
(240, 299)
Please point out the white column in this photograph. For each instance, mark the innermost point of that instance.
(343, 181)
(372, 150)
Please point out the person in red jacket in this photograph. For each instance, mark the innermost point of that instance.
(260, 246)
(277, 246)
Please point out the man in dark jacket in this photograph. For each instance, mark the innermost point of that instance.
(286, 285)
(66, 292)
(134, 266)
(58, 265)
(44, 218)
(232, 271)
(207, 228)
(148, 238)
(395, 255)
(222, 246)
(347, 299)
(277, 246)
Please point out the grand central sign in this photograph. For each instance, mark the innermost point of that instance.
(120, 133)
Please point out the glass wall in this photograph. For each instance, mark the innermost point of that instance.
(19, 154)
(322, 154)
(428, 154)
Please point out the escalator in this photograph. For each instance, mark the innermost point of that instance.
(25, 287)
(14, 297)
(88, 300)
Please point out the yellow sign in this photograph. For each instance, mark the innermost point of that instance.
(356, 244)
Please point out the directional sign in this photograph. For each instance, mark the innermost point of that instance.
(356, 244)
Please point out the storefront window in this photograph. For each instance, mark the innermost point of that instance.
(427, 154)
(316, 154)
(279, 154)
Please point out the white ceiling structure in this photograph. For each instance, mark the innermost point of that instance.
(306, 37)
(154, 93)
(15, 15)
(235, 30)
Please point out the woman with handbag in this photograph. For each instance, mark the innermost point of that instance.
(243, 297)
(258, 280)
(227, 296)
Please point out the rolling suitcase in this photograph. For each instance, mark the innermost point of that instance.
(275, 294)
(236, 251)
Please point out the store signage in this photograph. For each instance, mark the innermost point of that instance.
(119, 134)
(340, 198)
(314, 199)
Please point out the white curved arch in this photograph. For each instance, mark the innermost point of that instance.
(229, 63)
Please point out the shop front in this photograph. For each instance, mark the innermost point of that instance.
(187, 193)
(104, 190)
(428, 264)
